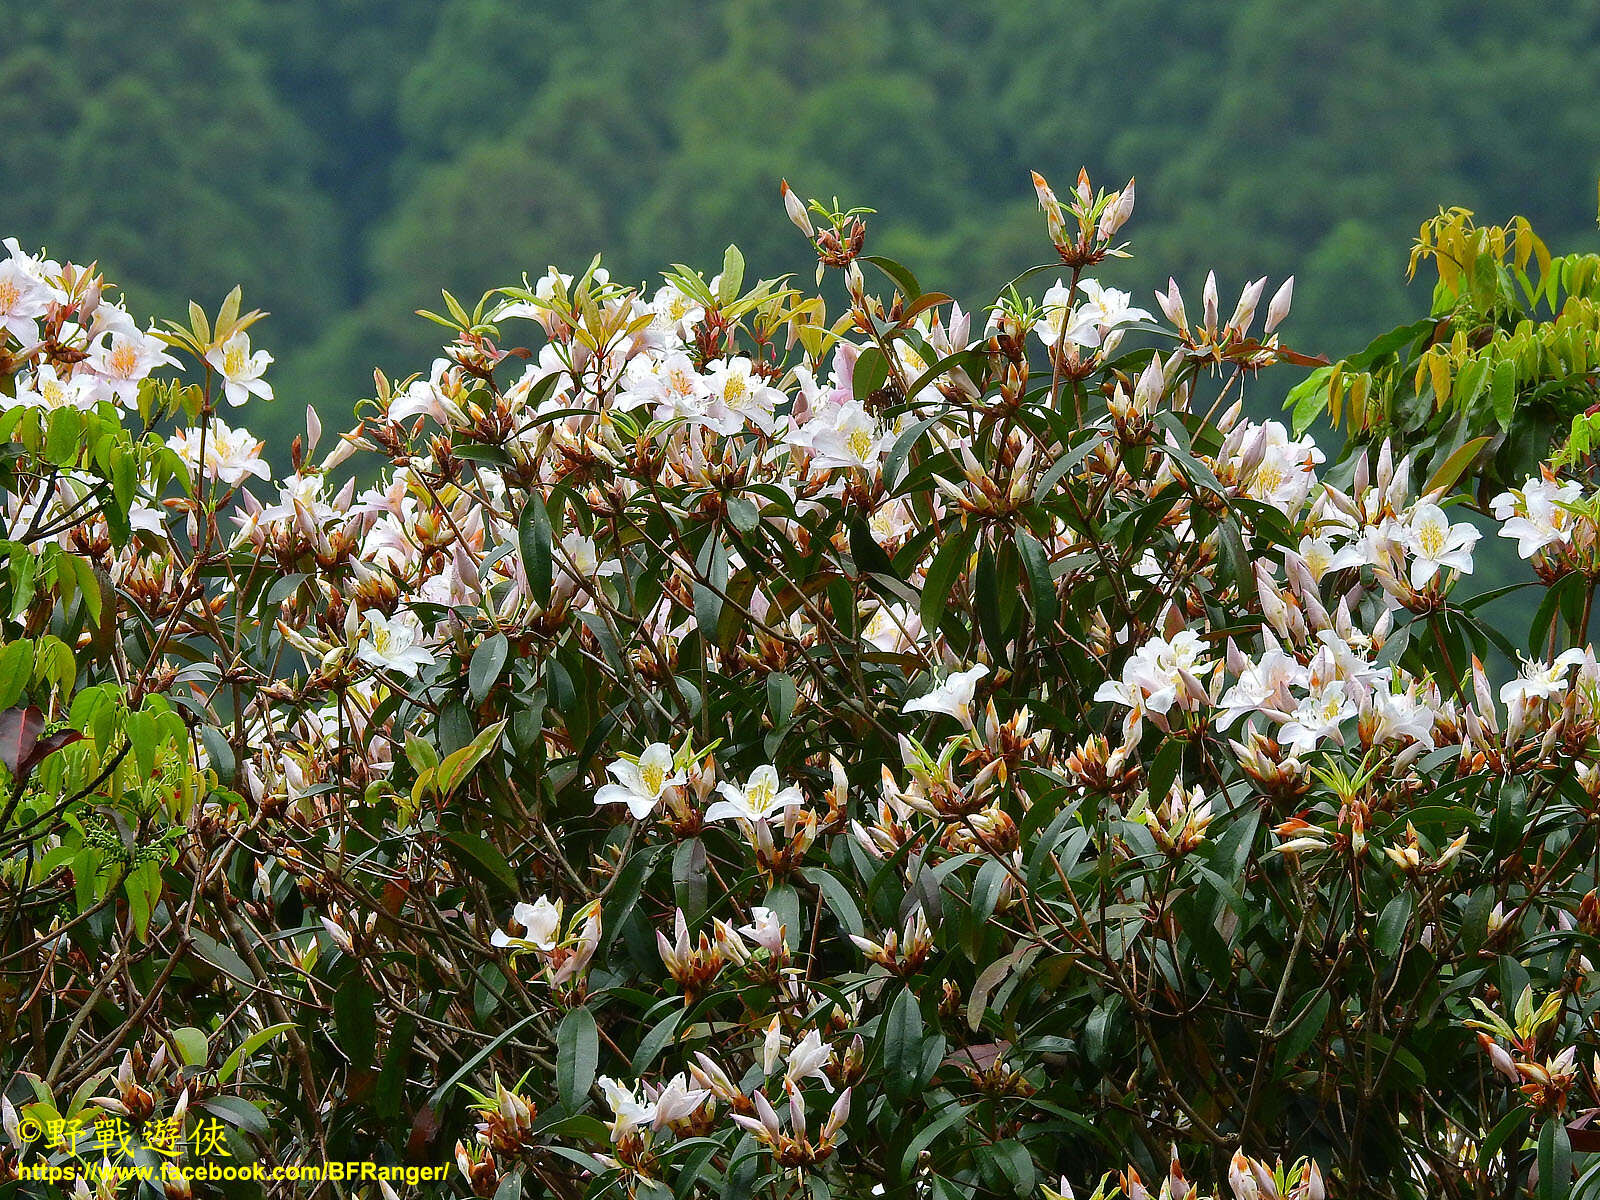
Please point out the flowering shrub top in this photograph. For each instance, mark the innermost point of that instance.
(688, 742)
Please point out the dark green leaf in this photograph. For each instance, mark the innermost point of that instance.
(577, 1056)
(534, 538)
(488, 660)
(902, 1045)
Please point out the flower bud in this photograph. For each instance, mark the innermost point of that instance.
(796, 209)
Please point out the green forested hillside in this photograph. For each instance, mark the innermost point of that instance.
(346, 158)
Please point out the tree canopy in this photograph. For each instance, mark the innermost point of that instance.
(345, 160)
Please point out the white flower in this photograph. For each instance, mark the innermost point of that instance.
(1540, 680)
(628, 1111)
(1103, 310)
(670, 384)
(1435, 544)
(545, 290)
(1242, 1180)
(953, 696)
(586, 942)
(23, 299)
(1259, 683)
(1159, 673)
(393, 643)
(146, 516)
(47, 389)
(761, 797)
(1283, 469)
(843, 435)
(300, 498)
(676, 314)
(765, 930)
(541, 922)
(1337, 658)
(583, 564)
(1317, 717)
(230, 454)
(677, 1101)
(124, 359)
(1321, 558)
(809, 1060)
(241, 370)
(892, 626)
(1538, 516)
(639, 784)
(426, 397)
(736, 390)
(1398, 716)
(1056, 314)
(771, 1046)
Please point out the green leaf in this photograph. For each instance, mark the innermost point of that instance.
(88, 584)
(870, 558)
(1392, 924)
(16, 667)
(420, 753)
(782, 695)
(900, 276)
(1564, 596)
(837, 897)
(987, 602)
(1503, 392)
(577, 1056)
(248, 1047)
(454, 770)
(219, 752)
(690, 879)
(488, 660)
(743, 514)
(902, 1045)
(1308, 398)
(396, 1060)
(1015, 1164)
(1451, 469)
(192, 1045)
(1303, 1029)
(1555, 1161)
(654, 1042)
(711, 583)
(355, 1016)
(1239, 567)
(1041, 584)
(143, 889)
(732, 278)
(238, 1112)
(1508, 1130)
(225, 958)
(946, 567)
(901, 450)
(872, 371)
(1097, 1033)
(480, 856)
(472, 1063)
(534, 538)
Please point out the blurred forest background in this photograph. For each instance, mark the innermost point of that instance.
(344, 159)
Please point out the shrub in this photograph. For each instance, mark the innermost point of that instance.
(693, 742)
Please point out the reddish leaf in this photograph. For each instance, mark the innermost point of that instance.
(424, 1129)
(21, 747)
(19, 733)
(45, 747)
(1585, 1137)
